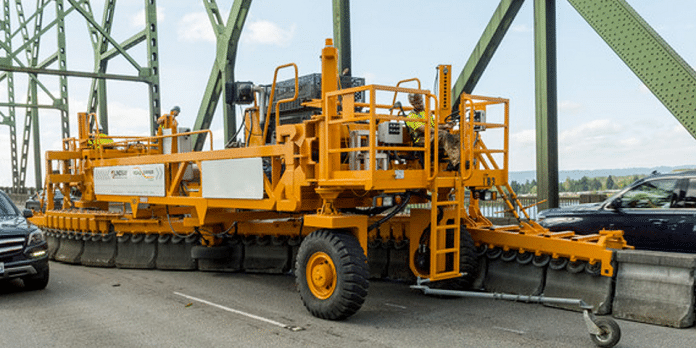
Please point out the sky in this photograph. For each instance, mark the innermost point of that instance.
(607, 118)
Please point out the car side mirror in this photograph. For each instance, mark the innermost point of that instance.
(27, 213)
(615, 204)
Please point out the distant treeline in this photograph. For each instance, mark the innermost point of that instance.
(583, 184)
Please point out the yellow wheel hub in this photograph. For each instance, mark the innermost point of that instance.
(321, 275)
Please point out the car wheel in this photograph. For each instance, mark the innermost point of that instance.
(38, 281)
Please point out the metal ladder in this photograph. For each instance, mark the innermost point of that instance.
(444, 251)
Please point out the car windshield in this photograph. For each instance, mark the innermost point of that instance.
(7, 207)
(650, 194)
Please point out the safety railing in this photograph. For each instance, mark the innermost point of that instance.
(354, 153)
(479, 167)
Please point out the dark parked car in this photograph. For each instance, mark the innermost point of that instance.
(657, 212)
(23, 248)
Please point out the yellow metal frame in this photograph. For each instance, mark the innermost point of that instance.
(310, 182)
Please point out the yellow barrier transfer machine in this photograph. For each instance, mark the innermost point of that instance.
(323, 191)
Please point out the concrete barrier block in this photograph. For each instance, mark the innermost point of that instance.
(378, 259)
(70, 249)
(100, 251)
(136, 251)
(655, 287)
(595, 290)
(398, 267)
(266, 258)
(53, 240)
(174, 252)
(478, 282)
(513, 278)
(230, 262)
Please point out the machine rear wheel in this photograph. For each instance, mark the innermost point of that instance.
(331, 272)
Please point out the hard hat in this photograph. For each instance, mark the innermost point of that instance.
(415, 98)
(177, 109)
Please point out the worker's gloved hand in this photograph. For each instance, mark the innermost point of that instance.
(445, 126)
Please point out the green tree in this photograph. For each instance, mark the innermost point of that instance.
(516, 187)
(584, 184)
(610, 183)
(595, 185)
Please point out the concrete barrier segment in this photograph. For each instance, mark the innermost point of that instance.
(655, 287)
(100, 251)
(70, 248)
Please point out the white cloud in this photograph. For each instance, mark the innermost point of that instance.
(128, 120)
(521, 28)
(612, 144)
(268, 33)
(524, 138)
(138, 19)
(195, 27)
(369, 77)
(571, 107)
(593, 130)
(218, 139)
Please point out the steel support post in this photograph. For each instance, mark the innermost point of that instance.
(341, 34)
(62, 103)
(546, 103)
(152, 63)
(36, 134)
(7, 38)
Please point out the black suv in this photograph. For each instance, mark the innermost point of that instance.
(23, 248)
(657, 212)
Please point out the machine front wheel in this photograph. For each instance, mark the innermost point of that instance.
(331, 273)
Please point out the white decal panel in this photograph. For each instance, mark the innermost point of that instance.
(139, 180)
(239, 178)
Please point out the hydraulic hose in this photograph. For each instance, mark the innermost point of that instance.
(398, 209)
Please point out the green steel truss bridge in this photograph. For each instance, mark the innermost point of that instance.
(24, 29)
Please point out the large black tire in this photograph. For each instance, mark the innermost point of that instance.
(332, 274)
(468, 263)
(38, 281)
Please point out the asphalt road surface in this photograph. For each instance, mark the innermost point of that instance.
(99, 307)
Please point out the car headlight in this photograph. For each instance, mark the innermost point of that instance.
(560, 220)
(36, 237)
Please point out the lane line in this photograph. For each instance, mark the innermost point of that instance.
(519, 332)
(235, 311)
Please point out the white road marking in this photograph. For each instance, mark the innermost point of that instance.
(394, 305)
(235, 311)
(519, 332)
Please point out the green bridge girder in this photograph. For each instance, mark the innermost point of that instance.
(227, 38)
(18, 23)
(499, 24)
(649, 56)
(341, 34)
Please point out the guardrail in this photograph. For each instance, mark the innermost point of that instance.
(497, 208)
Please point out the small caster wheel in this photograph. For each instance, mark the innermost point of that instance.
(610, 333)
